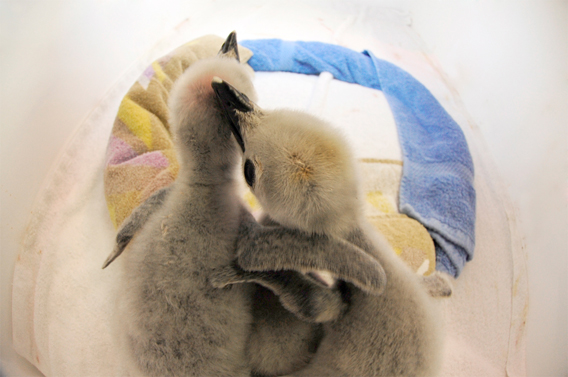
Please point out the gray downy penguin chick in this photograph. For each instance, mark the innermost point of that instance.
(170, 319)
(301, 171)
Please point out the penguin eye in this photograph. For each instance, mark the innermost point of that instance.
(249, 172)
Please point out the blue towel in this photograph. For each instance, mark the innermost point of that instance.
(437, 178)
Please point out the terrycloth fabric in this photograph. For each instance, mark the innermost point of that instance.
(409, 239)
(437, 184)
(140, 157)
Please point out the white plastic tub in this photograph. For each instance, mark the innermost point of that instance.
(506, 62)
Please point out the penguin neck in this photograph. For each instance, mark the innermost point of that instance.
(203, 170)
(207, 160)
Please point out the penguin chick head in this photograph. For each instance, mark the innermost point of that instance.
(299, 167)
(197, 121)
(301, 171)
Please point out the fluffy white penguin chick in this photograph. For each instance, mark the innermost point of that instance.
(303, 175)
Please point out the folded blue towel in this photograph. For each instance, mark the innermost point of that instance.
(437, 179)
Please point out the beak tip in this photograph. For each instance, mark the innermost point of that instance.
(230, 47)
(241, 144)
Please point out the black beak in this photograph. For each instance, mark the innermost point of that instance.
(231, 101)
(230, 47)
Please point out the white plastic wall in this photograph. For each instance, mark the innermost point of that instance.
(507, 60)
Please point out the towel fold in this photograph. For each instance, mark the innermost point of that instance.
(437, 183)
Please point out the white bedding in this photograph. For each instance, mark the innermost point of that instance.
(62, 300)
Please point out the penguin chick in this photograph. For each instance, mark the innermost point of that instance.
(170, 321)
(302, 173)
